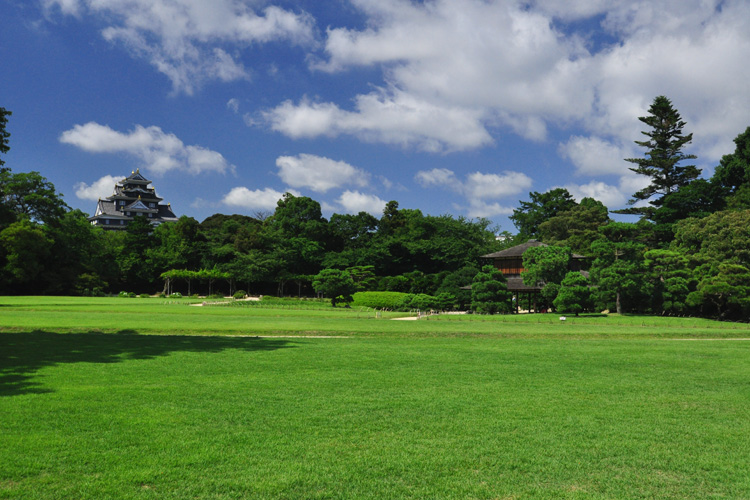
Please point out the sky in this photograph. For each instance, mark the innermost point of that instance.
(457, 107)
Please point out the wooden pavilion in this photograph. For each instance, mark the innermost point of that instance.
(510, 263)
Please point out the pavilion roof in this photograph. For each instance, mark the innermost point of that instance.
(518, 251)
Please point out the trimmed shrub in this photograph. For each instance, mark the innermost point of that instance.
(176, 295)
(240, 294)
(380, 300)
(399, 301)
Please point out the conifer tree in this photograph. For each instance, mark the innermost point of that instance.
(4, 134)
(663, 157)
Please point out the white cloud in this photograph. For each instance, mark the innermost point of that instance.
(158, 151)
(258, 199)
(99, 189)
(456, 70)
(184, 39)
(453, 68)
(477, 185)
(483, 186)
(354, 202)
(387, 116)
(480, 208)
(611, 196)
(233, 104)
(595, 156)
(479, 189)
(319, 173)
(437, 177)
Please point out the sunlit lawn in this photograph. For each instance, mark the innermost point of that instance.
(454, 410)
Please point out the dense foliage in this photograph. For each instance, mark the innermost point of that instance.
(689, 254)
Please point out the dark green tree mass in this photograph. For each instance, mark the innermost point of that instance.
(541, 207)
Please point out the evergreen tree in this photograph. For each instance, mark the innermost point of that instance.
(574, 295)
(489, 292)
(541, 208)
(664, 153)
(336, 284)
(4, 134)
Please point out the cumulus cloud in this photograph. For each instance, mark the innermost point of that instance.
(437, 177)
(479, 189)
(596, 156)
(186, 40)
(354, 202)
(477, 185)
(459, 71)
(480, 208)
(386, 116)
(158, 151)
(258, 199)
(99, 189)
(611, 196)
(319, 173)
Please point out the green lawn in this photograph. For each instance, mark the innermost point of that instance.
(447, 408)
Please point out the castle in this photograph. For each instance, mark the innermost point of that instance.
(131, 197)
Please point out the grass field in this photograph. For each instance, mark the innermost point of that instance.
(142, 398)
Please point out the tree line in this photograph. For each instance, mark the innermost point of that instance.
(688, 254)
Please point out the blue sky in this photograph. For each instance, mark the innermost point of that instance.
(448, 106)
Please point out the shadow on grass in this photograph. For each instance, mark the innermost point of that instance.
(23, 354)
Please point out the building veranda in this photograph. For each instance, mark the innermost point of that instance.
(132, 197)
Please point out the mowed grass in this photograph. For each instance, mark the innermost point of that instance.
(177, 414)
(162, 316)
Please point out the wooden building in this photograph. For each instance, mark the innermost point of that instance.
(132, 196)
(510, 263)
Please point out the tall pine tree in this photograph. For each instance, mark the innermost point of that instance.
(663, 157)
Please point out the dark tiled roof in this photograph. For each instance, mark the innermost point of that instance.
(516, 251)
(515, 284)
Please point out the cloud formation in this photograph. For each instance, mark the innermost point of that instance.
(354, 202)
(158, 151)
(460, 71)
(99, 189)
(385, 116)
(188, 40)
(480, 190)
(319, 173)
(258, 199)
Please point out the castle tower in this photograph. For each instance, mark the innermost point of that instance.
(131, 197)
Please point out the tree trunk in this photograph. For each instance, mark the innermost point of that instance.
(618, 306)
